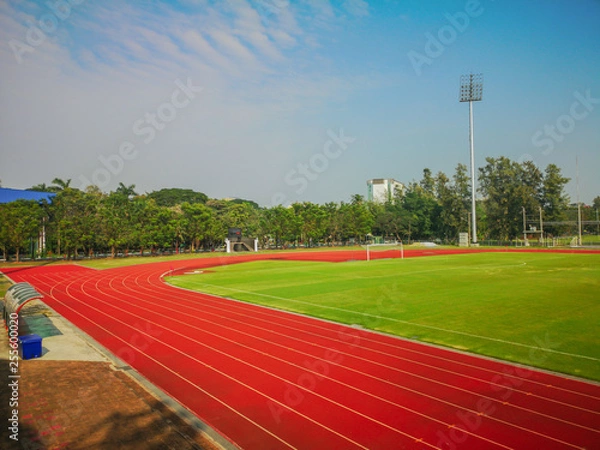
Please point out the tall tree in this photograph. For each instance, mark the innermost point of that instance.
(333, 224)
(58, 184)
(312, 223)
(177, 196)
(22, 219)
(197, 218)
(449, 220)
(358, 219)
(126, 191)
(509, 189)
(4, 230)
(423, 209)
(117, 214)
(496, 182)
(555, 201)
(74, 220)
(277, 225)
(163, 228)
(461, 205)
(391, 220)
(428, 183)
(42, 187)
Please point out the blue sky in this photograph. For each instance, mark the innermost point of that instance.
(280, 101)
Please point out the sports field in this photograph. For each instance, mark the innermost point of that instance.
(539, 309)
(269, 379)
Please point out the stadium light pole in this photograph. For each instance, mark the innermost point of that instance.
(471, 90)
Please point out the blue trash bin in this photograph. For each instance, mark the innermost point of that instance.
(30, 346)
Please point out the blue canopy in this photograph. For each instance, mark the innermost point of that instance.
(10, 195)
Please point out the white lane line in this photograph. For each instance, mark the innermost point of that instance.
(478, 368)
(375, 316)
(262, 370)
(127, 344)
(383, 365)
(154, 338)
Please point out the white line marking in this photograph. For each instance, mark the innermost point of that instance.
(401, 321)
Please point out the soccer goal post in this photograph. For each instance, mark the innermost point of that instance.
(383, 247)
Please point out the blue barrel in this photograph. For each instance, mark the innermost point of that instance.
(30, 346)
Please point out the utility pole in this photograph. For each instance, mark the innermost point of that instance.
(524, 227)
(469, 225)
(541, 227)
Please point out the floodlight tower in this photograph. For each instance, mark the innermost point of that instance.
(471, 90)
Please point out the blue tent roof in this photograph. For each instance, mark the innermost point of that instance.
(10, 195)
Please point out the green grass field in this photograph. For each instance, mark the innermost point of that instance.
(4, 285)
(590, 239)
(537, 309)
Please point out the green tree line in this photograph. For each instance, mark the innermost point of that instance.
(436, 207)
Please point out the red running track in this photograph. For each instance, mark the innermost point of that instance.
(268, 379)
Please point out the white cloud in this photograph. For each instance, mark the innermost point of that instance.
(285, 40)
(248, 26)
(157, 41)
(204, 50)
(322, 8)
(76, 97)
(358, 8)
(230, 44)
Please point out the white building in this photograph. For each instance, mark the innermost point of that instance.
(381, 190)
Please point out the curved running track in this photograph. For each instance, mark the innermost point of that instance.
(267, 379)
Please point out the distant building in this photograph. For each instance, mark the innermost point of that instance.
(381, 190)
